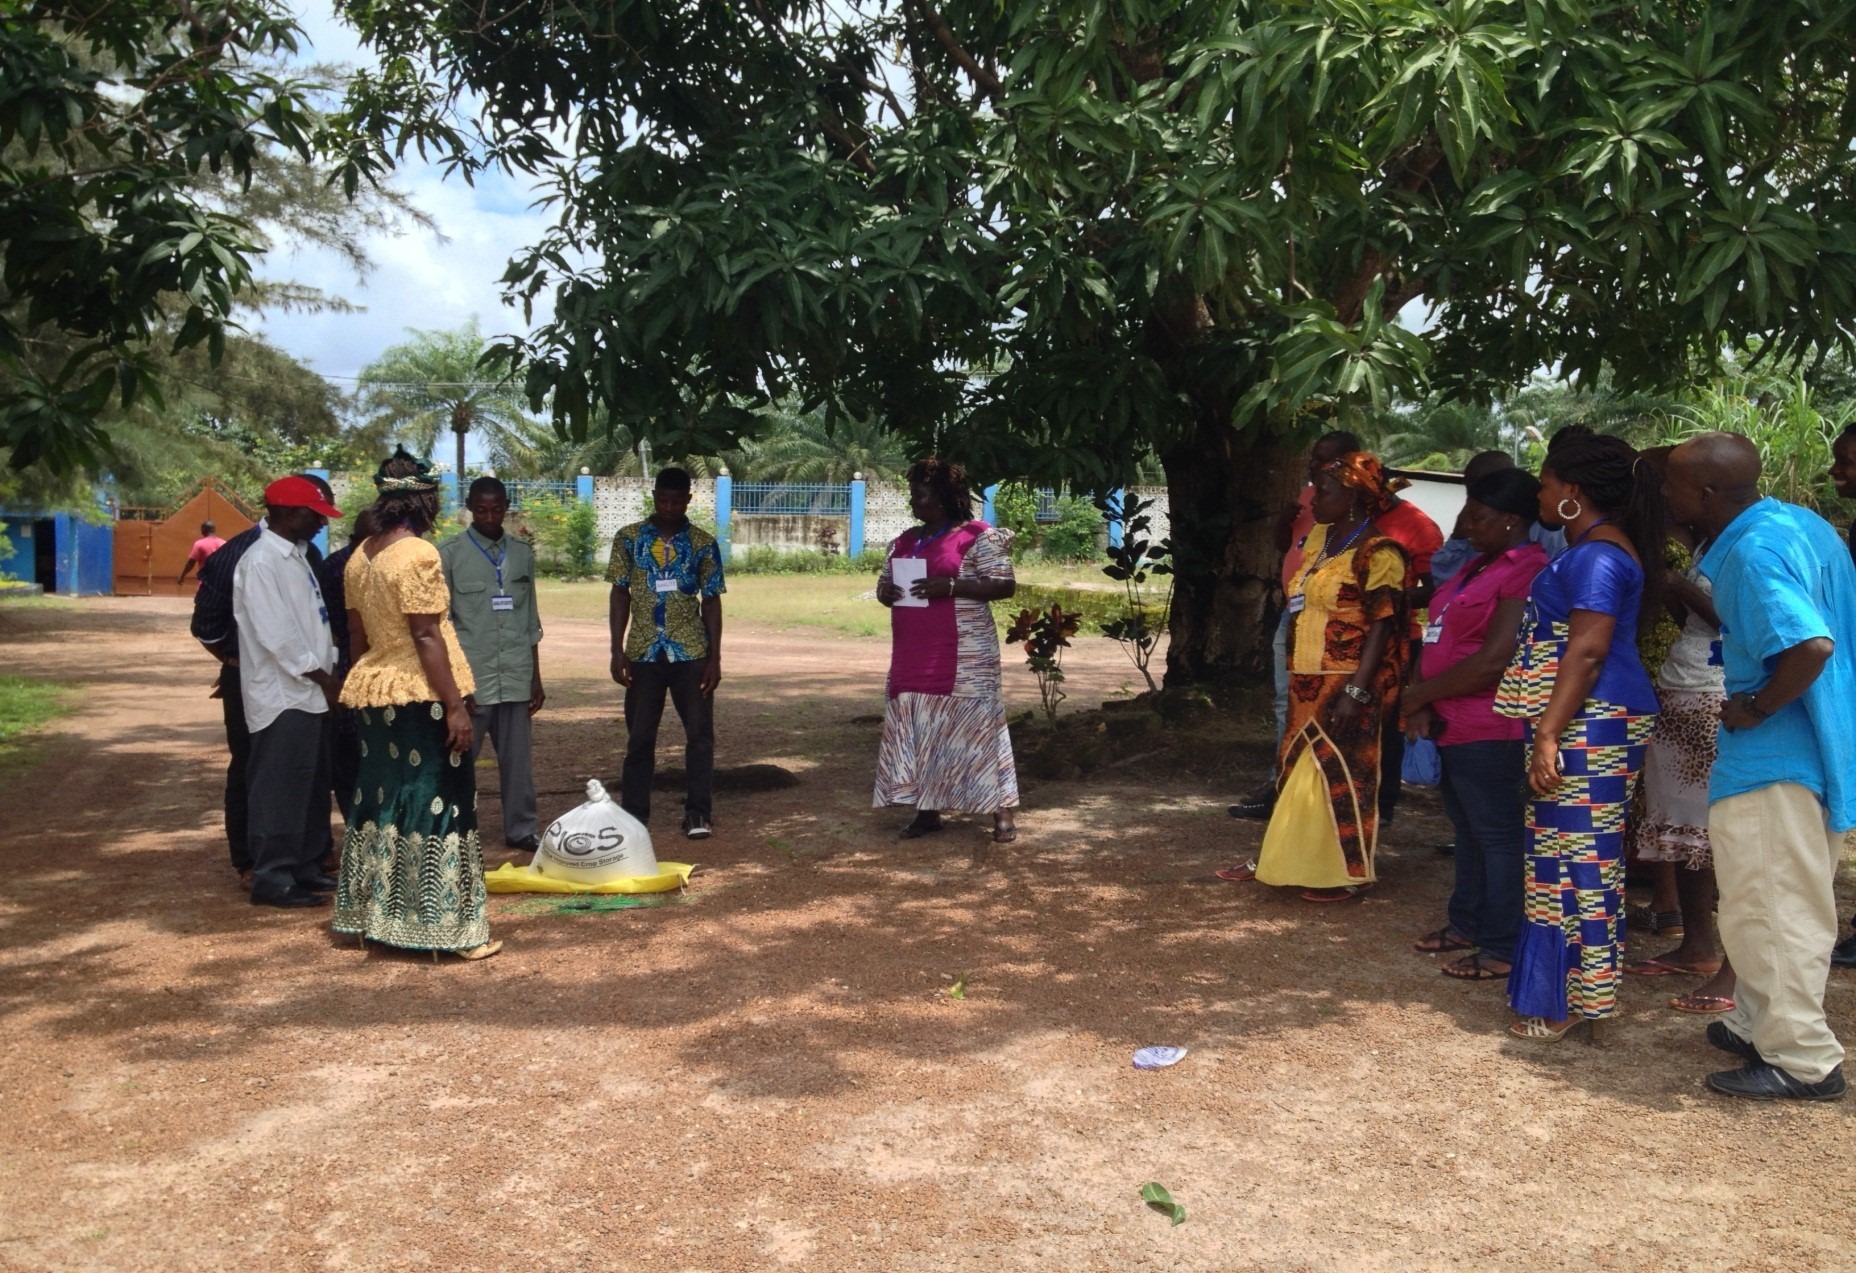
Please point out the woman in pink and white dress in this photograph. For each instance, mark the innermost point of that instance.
(945, 746)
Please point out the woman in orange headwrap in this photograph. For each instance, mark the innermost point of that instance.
(1346, 658)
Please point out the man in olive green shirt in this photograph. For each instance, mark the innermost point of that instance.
(492, 580)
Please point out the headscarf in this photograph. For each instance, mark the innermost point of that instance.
(424, 479)
(1361, 471)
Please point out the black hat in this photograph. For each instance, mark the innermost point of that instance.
(1513, 491)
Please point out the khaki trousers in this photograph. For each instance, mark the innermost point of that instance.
(1775, 860)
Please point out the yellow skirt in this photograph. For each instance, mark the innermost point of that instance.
(1301, 848)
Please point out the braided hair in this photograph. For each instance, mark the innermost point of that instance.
(949, 484)
(408, 494)
(1623, 486)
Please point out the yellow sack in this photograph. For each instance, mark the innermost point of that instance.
(510, 878)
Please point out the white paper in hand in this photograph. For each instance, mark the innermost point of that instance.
(904, 571)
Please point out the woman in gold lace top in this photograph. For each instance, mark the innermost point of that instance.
(412, 867)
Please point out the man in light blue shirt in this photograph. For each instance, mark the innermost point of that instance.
(1783, 790)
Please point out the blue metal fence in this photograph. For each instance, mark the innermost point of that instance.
(817, 499)
(530, 489)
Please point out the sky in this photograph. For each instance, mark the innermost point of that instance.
(420, 279)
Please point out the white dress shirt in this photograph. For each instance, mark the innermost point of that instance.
(283, 631)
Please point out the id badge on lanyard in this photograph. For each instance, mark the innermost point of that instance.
(502, 602)
(665, 583)
(1434, 631)
(1297, 603)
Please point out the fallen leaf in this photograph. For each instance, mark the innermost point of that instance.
(1154, 1194)
(958, 990)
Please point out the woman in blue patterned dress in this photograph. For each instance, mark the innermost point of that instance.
(1589, 706)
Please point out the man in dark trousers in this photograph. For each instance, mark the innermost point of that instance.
(287, 679)
(345, 742)
(215, 628)
(667, 590)
(491, 576)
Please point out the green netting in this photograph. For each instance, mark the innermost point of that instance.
(583, 903)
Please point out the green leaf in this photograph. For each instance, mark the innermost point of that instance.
(1155, 1195)
(959, 989)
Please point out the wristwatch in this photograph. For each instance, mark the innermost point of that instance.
(1751, 703)
(1361, 696)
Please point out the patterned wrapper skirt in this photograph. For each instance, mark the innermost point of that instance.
(1674, 825)
(1569, 957)
(1324, 832)
(412, 867)
(945, 752)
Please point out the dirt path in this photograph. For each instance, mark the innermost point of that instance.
(770, 1073)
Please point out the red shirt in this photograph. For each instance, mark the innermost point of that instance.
(1304, 522)
(204, 547)
(1460, 614)
(1413, 530)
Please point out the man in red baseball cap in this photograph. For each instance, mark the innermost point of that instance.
(287, 679)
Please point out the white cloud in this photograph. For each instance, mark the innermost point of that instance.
(419, 280)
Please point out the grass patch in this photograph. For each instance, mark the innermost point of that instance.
(25, 706)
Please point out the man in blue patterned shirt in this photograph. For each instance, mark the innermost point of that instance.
(666, 621)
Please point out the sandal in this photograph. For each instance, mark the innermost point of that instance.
(1441, 942)
(1661, 923)
(1660, 968)
(1536, 1029)
(917, 829)
(1469, 968)
(1702, 1005)
(1004, 834)
(1346, 894)
(474, 953)
(1242, 873)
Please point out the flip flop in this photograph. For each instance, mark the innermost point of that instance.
(1441, 942)
(1328, 896)
(1658, 968)
(1702, 1005)
(1469, 968)
(1243, 873)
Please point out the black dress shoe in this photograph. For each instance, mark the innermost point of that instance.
(1843, 954)
(290, 899)
(1769, 1083)
(1727, 1041)
(528, 844)
(1254, 810)
(319, 883)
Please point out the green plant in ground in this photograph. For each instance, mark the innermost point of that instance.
(1015, 509)
(1046, 635)
(26, 705)
(1072, 537)
(762, 559)
(1132, 564)
(1782, 419)
(565, 533)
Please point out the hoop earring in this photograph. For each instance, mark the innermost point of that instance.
(1577, 508)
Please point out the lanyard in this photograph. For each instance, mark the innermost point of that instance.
(496, 562)
(315, 586)
(921, 543)
(1334, 550)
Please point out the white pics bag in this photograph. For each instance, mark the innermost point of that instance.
(595, 842)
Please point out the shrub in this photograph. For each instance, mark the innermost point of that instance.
(764, 560)
(1072, 537)
(1015, 508)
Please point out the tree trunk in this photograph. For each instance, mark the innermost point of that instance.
(1225, 493)
(461, 435)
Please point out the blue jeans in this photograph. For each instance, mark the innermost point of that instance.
(1482, 796)
(1279, 648)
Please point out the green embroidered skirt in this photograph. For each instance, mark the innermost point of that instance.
(412, 867)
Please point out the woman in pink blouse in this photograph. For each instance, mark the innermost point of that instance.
(1475, 617)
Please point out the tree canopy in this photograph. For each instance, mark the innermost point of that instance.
(1184, 225)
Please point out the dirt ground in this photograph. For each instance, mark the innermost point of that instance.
(770, 1073)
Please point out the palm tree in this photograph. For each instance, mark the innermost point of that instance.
(799, 448)
(436, 381)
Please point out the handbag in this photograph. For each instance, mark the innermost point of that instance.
(1424, 766)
